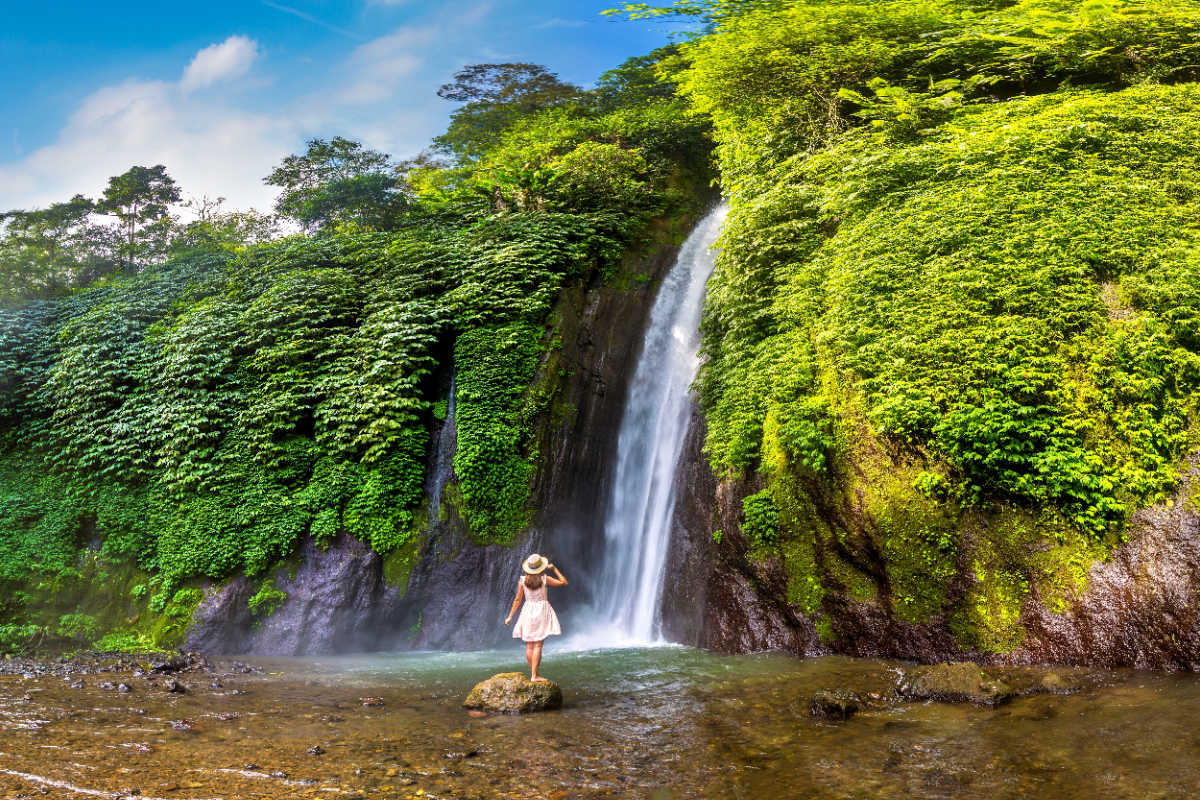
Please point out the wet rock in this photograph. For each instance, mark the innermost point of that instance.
(183, 725)
(835, 704)
(175, 687)
(78, 684)
(124, 688)
(476, 713)
(371, 702)
(175, 663)
(961, 682)
(108, 686)
(216, 685)
(316, 750)
(513, 693)
(1054, 683)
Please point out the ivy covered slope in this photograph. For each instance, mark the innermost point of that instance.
(954, 334)
(196, 399)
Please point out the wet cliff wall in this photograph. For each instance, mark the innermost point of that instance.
(853, 574)
(450, 591)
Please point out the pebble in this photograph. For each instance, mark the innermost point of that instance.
(124, 688)
(316, 750)
(372, 702)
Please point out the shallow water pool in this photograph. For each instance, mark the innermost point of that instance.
(664, 722)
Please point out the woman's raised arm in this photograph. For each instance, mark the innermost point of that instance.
(558, 579)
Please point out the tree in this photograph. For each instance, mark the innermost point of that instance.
(140, 199)
(496, 95)
(338, 180)
(47, 250)
(214, 229)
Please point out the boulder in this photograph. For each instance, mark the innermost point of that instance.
(513, 693)
(834, 703)
(961, 682)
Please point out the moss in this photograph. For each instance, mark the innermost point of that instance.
(267, 600)
(398, 566)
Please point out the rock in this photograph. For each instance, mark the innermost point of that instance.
(183, 725)
(834, 703)
(1054, 683)
(78, 684)
(316, 750)
(513, 693)
(107, 686)
(371, 702)
(961, 682)
(124, 688)
(175, 687)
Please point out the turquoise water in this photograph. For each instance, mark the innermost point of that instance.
(666, 722)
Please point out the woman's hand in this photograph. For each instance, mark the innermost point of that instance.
(508, 619)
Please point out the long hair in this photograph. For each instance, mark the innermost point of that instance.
(533, 581)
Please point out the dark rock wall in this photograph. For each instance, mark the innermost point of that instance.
(713, 596)
(1140, 609)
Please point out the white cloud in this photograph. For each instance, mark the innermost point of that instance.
(230, 59)
(380, 67)
(208, 149)
(222, 143)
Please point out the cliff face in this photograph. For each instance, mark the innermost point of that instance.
(1038, 602)
(458, 591)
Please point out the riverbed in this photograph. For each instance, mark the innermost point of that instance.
(661, 722)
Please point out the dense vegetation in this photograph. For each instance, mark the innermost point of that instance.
(189, 401)
(952, 343)
(960, 277)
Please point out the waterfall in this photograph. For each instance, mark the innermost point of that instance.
(441, 469)
(637, 527)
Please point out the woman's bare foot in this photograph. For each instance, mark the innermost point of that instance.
(538, 679)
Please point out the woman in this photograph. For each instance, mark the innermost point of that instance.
(537, 620)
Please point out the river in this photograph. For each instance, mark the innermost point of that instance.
(663, 723)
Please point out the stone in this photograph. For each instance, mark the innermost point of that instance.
(124, 688)
(316, 750)
(371, 702)
(960, 682)
(513, 693)
(1054, 683)
(175, 687)
(834, 704)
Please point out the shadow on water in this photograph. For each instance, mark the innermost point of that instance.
(668, 722)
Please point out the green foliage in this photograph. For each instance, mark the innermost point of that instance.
(495, 365)
(760, 518)
(338, 180)
(141, 199)
(16, 638)
(267, 600)
(1007, 285)
(78, 626)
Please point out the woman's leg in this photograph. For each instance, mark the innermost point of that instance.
(537, 660)
(529, 658)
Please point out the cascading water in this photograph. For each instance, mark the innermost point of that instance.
(637, 528)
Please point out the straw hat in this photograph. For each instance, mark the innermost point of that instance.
(535, 565)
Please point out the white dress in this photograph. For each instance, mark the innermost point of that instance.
(537, 620)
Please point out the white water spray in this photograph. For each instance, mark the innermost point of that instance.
(637, 527)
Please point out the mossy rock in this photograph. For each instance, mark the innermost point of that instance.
(962, 682)
(513, 693)
(834, 704)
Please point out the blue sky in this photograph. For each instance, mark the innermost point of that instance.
(220, 91)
